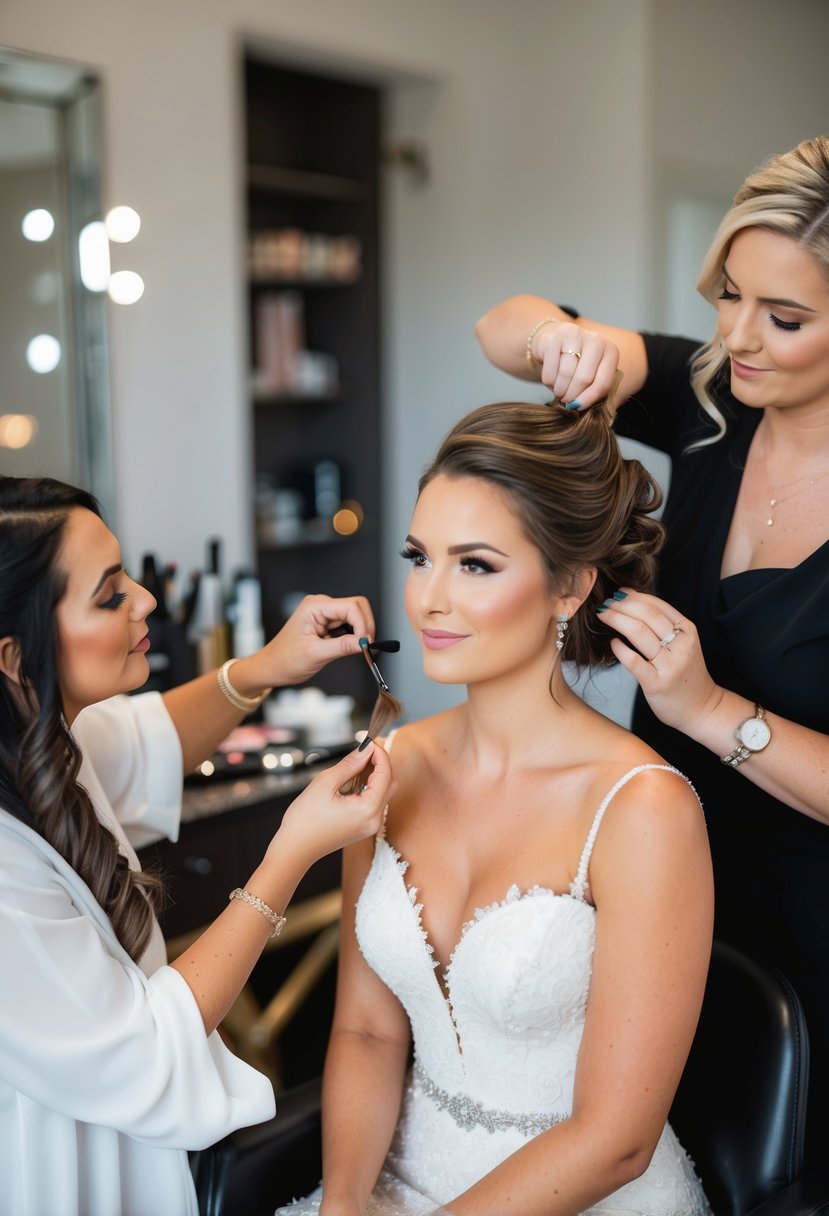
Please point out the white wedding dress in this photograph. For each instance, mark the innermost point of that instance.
(494, 1064)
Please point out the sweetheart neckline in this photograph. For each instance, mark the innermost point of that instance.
(444, 987)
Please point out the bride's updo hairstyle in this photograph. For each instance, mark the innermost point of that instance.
(578, 501)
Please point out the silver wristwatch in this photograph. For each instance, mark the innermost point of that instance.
(752, 735)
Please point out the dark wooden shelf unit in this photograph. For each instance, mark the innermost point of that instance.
(313, 162)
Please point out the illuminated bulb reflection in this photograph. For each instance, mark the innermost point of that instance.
(122, 224)
(43, 354)
(93, 256)
(38, 225)
(125, 287)
(17, 430)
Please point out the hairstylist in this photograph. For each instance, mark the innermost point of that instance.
(732, 656)
(110, 1064)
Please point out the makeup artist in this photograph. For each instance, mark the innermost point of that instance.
(734, 693)
(111, 1066)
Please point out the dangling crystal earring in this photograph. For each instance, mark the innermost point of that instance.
(561, 629)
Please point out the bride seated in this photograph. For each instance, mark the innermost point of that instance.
(525, 944)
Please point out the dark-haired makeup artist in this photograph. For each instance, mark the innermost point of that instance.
(732, 657)
(111, 1066)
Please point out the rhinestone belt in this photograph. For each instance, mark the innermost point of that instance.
(468, 1114)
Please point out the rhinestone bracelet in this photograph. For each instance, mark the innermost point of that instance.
(277, 922)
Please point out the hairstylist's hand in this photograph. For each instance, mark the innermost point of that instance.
(322, 819)
(304, 644)
(664, 657)
(577, 364)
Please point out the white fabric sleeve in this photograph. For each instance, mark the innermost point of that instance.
(134, 750)
(85, 1033)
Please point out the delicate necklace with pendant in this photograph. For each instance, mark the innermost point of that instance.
(774, 499)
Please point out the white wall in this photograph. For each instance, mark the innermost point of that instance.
(552, 131)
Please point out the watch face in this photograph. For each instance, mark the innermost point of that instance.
(755, 734)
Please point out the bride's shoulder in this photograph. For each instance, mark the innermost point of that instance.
(421, 746)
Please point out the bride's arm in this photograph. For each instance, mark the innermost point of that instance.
(651, 880)
(364, 1067)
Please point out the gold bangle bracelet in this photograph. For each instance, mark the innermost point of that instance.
(246, 704)
(531, 359)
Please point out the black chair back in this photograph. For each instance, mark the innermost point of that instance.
(741, 1104)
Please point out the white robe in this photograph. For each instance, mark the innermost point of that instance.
(106, 1075)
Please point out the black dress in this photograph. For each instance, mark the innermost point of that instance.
(765, 635)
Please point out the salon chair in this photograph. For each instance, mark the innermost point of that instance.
(739, 1110)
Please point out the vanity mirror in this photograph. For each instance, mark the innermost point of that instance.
(55, 415)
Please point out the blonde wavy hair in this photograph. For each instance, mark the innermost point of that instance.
(788, 193)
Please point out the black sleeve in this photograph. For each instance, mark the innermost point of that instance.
(664, 409)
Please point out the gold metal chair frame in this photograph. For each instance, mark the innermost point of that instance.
(255, 1031)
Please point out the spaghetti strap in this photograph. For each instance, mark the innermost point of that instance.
(579, 885)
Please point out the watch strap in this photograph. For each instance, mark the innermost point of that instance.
(736, 758)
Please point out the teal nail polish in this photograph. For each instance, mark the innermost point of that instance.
(602, 608)
(620, 595)
(364, 744)
(573, 405)
(363, 643)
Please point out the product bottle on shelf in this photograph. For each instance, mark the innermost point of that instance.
(208, 628)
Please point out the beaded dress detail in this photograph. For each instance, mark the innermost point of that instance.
(495, 1047)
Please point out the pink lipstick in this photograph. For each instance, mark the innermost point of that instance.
(744, 372)
(439, 639)
(143, 646)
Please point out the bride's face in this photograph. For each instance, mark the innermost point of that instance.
(477, 593)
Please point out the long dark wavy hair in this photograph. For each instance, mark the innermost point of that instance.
(580, 502)
(39, 759)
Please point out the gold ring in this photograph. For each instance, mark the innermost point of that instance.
(577, 353)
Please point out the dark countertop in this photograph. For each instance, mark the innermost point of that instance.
(201, 800)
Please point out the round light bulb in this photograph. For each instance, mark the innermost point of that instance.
(38, 225)
(43, 354)
(17, 430)
(125, 287)
(122, 224)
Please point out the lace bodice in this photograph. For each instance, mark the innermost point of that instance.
(496, 1044)
(507, 1032)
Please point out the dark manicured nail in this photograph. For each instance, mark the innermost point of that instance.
(602, 608)
(573, 405)
(364, 744)
(620, 595)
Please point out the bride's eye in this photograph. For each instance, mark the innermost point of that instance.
(415, 556)
(477, 565)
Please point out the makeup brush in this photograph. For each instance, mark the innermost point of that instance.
(386, 706)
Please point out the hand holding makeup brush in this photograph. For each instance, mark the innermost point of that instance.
(319, 630)
(324, 817)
